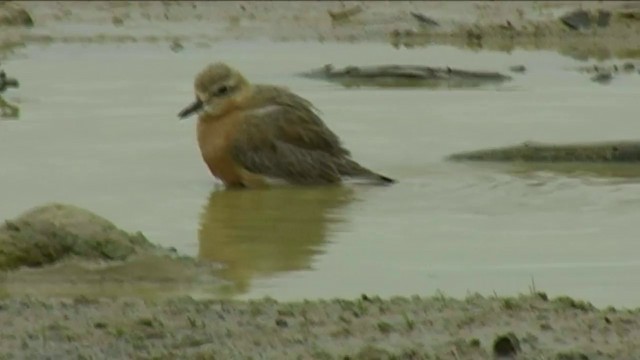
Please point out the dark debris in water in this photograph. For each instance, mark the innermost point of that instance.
(424, 20)
(518, 68)
(597, 152)
(602, 77)
(405, 76)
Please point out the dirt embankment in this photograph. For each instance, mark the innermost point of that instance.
(603, 30)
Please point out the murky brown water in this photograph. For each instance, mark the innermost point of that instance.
(99, 130)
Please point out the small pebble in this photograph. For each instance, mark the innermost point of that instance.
(602, 78)
(628, 66)
(518, 68)
(117, 21)
(176, 46)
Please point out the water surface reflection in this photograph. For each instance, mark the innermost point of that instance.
(260, 233)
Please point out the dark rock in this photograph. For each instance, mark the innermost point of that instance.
(117, 21)
(602, 77)
(176, 46)
(506, 345)
(577, 20)
(628, 67)
(424, 20)
(573, 355)
(603, 18)
(518, 68)
(370, 352)
(346, 14)
(630, 15)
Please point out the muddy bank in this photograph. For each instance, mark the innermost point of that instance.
(531, 327)
(399, 76)
(599, 152)
(502, 26)
(60, 249)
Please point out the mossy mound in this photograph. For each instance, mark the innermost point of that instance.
(52, 232)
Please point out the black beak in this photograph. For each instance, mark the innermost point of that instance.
(194, 107)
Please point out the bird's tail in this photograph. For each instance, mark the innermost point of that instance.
(352, 169)
(386, 179)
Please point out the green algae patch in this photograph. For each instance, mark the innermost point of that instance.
(53, 232)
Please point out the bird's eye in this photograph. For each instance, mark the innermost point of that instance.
(222, 90)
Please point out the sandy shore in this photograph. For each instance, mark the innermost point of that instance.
(124, 327)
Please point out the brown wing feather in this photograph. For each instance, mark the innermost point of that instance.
(296, 121)
(287, 139)
(257, 149)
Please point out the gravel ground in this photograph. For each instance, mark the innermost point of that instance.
(531, 327)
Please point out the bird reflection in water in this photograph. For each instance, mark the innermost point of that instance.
(260, 233)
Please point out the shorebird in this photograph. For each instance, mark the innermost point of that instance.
(7, 82)
(6, 109)
(260, 135)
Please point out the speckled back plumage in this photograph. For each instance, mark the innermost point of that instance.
(287, 139)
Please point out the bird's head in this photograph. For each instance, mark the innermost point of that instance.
(218, 88)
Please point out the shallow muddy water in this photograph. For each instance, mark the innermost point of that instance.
(98, 129)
